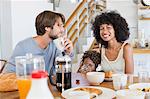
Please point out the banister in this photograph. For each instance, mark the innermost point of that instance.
(73, 34)
(82, 13)
(90, 16)
(72, 27)
(92, 45)
(75, 41)
(74, 13)
(92, 7)
(81, 30)
(83, 20)
(90, 2)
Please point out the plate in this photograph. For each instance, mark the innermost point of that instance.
(129, 94)
(137, 86)
(108, 79)
(106, 92)
(140, 86)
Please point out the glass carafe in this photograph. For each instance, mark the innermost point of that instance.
(25, 65)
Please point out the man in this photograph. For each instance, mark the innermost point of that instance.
(49, 26)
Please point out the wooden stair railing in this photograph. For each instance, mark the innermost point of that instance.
(74, 13)
(77, 22)
(94, 45)
(77, 25)
(83, 12)
(83, 27)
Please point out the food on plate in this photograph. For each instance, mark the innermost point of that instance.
(108, 74)
(91, 91)
(8, 82)
(144, 89)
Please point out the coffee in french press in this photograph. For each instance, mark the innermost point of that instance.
(63, 69)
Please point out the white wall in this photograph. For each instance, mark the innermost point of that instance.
(17, 22)
(5, 29)
(23, 18)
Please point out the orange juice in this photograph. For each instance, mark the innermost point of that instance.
(23, 87)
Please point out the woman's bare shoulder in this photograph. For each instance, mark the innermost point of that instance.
(127, 47)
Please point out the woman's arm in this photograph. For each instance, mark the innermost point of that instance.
(128, 56)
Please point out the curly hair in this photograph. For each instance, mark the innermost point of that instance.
(117, 21)
(93, 55)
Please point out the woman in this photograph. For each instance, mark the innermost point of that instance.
(111, 32)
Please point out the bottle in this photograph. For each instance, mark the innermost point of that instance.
(39, 87)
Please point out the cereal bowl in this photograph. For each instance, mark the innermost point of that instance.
(95, 78)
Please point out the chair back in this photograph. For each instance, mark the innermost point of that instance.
(2, 64)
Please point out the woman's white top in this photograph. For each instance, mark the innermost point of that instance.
(117, 65)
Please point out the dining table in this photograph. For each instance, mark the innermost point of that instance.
(55, 92)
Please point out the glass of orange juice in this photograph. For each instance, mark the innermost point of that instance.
(24, 67)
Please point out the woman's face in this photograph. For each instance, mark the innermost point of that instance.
(107, 32)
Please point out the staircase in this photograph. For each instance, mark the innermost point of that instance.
(78, 27)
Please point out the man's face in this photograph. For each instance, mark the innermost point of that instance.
(58, 29)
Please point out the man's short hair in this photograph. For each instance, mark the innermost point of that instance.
(47, 19)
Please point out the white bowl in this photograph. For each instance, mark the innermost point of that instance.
(130, 94)
(95, 78)
(138, 86)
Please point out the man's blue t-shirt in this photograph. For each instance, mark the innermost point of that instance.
(29, 45)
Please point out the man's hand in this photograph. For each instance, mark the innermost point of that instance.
(68, 46)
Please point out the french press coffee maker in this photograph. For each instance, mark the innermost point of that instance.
(63, 69)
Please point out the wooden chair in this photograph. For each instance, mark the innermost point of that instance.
(2, 64)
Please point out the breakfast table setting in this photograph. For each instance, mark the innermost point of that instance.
(98, 88)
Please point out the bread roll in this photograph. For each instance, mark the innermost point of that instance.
(108, 74)
(8, 82)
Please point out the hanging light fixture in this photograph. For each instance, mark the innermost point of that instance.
(55, 3)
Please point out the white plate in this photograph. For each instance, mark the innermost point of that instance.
(137, 86)
(129, 94)
(106, 92)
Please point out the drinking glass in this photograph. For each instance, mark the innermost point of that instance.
(59, 42)
(143, 76)
(130, 79)
(119, 81)
(24, 67)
